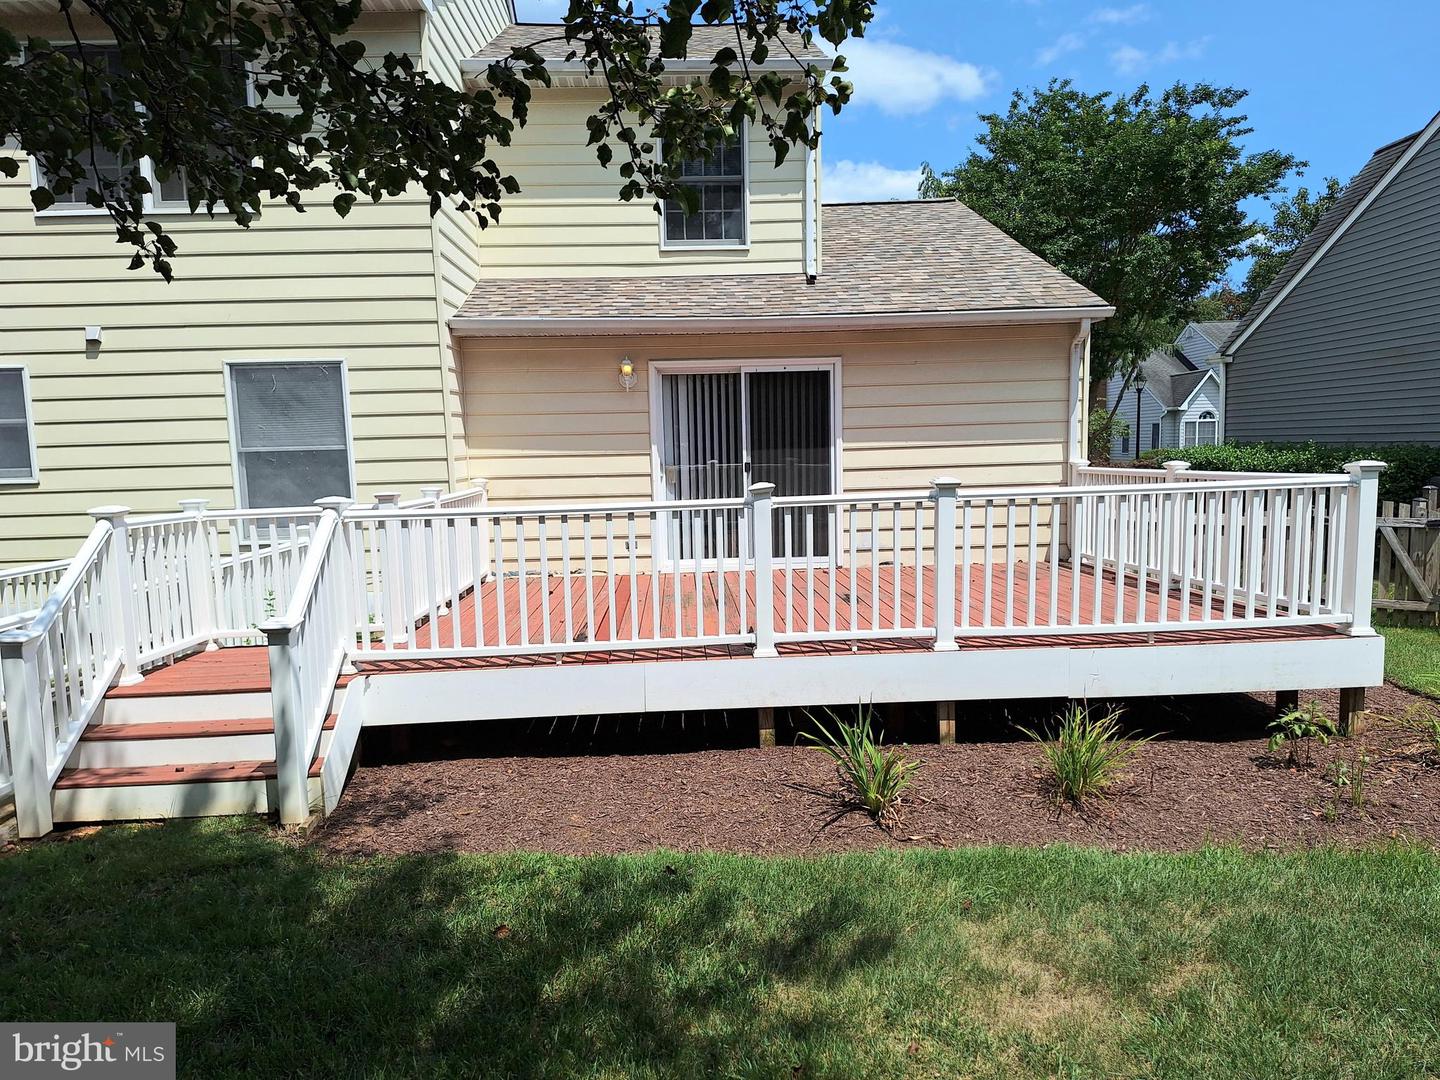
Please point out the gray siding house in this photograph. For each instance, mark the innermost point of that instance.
(1175, 399)
(1344, 346)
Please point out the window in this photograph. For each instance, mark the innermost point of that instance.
(167, 194)
(17, 434)
(1125, 443)
(1202, 431)
(292, 437)
(1154, 436)
(719, 184)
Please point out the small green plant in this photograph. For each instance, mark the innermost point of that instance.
(1349, 778)
(1298, 730)
(270, 605)
(875, 774)
(1083, 754)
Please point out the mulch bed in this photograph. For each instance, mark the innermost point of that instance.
(1208, 780)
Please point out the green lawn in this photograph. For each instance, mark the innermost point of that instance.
(1412, 657)
(277, 960)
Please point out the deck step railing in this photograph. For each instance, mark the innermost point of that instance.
(57, 669)
(141, 592)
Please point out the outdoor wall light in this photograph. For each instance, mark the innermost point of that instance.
(627, 373)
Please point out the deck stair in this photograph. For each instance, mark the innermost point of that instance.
(193, 739)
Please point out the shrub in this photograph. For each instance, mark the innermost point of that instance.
(1105, 428)
(1408, 466)
(876, 775)
(1085, 755)
(1298, 730)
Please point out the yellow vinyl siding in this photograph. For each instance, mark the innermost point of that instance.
(456, 33)
(546, 418)
(144, 422)
(568, 221)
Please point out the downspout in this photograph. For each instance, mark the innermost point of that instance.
(1079, 391)
(812, 210)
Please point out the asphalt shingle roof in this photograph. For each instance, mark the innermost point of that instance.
(925, 256)
(705, 42)
(1217, 333)
(1363, 183)
(1161, 368)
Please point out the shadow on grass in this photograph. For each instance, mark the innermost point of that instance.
(277, 960)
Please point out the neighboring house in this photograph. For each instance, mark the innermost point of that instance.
(1344, 345)
(1175, 398)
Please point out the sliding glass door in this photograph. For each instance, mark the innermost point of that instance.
(721, 430)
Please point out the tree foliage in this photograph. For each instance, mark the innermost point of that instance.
(1136, 197)
(1294, 219)
(168, 101)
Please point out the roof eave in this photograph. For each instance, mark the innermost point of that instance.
(474, 67)
(558, 326)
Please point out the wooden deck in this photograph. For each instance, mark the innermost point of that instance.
(625, 611)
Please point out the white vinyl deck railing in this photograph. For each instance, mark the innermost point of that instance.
(1115, 551)
(23, 589)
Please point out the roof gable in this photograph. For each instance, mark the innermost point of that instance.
(1382, 168)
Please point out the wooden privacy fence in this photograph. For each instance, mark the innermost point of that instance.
(1407, 560)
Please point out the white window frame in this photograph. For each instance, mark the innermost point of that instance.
(667, 245)
(1208, 416)
(29, 401)
(671, 366)
(154, 207)
(231, 414)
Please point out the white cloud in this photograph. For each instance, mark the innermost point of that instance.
(1061, 46)
(849, 181)
(900, 80)
(1110, 16)
(1127, 59)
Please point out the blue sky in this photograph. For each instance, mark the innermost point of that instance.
(1328, 81)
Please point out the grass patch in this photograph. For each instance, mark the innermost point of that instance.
(1412, 657)
(279, 960)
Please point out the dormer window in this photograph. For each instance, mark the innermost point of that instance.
(719, 183)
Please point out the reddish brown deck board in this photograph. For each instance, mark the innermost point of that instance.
(185, 729)
(240, 670)
(145, 775)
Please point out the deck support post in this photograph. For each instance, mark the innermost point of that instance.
(945, 719)
(397, 623)
(760, 499)
(201, 586)
(123, 592)
(1358, 577)
(944, 491)
(1286, 701)
(1352, 705)
(765, 717)
(30, 772)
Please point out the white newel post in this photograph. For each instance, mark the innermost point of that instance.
(482, 571)
(1359, 576)
(351, 619)
(123, 592)
(431, 536)
(20, 675)
(292, 771)
(761, 499)
(1072, 512)
(1173, 469)
(945, 494)
(202, 590)
(397, 626)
